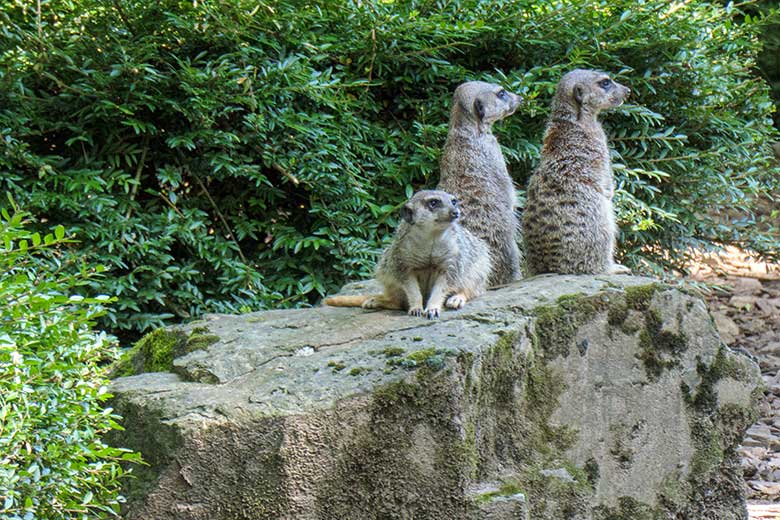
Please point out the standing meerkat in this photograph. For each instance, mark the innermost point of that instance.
(432, 262)
(568, 221)
(473, 170)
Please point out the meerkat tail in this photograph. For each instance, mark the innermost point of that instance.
(347, 300)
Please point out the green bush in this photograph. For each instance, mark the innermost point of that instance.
(224, 156)
(53, 464)
(769, 58)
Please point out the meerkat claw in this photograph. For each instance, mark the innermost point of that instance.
(432, 313)
(456, 301)
(370, 304)
(416, 311)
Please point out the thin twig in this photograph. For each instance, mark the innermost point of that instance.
(373, 56)
(221, 217)
(38, 20)
(138, 172)
(287, 174)
(172, 206)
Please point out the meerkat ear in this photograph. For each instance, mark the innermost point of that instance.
(578, 93)
(407, 214)
(479, 109)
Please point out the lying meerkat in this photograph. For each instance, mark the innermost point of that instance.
(433, 262)
(568, 221)
(473, 170)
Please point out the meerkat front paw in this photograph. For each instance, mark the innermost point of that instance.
(416, 311)
(432, 312)
(456, 301)
(370, 303)
(619, 269)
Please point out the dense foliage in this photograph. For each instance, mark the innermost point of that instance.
(53, 463)
(769, 58)
(232, 155)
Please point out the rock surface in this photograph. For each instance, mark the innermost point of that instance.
(559, 397)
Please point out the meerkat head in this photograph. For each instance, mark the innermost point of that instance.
(432, 209)
(481, 104)
(588, 92)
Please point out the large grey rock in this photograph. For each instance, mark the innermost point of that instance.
(559, 397)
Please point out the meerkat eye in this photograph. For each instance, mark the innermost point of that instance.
(502, 94)
(454, 202)
(604, 83)
(434, 203)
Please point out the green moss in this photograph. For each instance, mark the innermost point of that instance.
(592, 472)
(617, 314)
(386, 462)
(639, 297)
(393, 351)
(660, 349)
(336, 366)
(543, 388)
(709, 452)
(200, 341)
(429, 358)
(551, 496)
(420, 356)
(356, 371)
(156, 351)
(507, 489)
(628, 508)
(705, 399)
(557, 324)
(620, 450)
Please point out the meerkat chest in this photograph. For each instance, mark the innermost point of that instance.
(433, 253)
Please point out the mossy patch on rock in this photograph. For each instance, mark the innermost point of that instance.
(408, 457)
(507, 489)
(557, 490)
(639, 297)
(431, 358)
(156, 351)
(628, 508)
(557, 324)
(661, 349)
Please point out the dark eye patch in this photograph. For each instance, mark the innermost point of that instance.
(605, 83)
(434, 203)
(502, 94)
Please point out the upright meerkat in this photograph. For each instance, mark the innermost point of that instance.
(474, 171)
(568, 221)
(432, 261)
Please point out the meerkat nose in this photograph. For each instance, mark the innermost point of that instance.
(454, 213)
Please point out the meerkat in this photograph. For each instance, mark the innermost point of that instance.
(433, 262)
(473, 170)
(568, 221)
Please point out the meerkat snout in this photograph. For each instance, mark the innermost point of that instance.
(484, 103)
(592, 91)
(433, 209)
